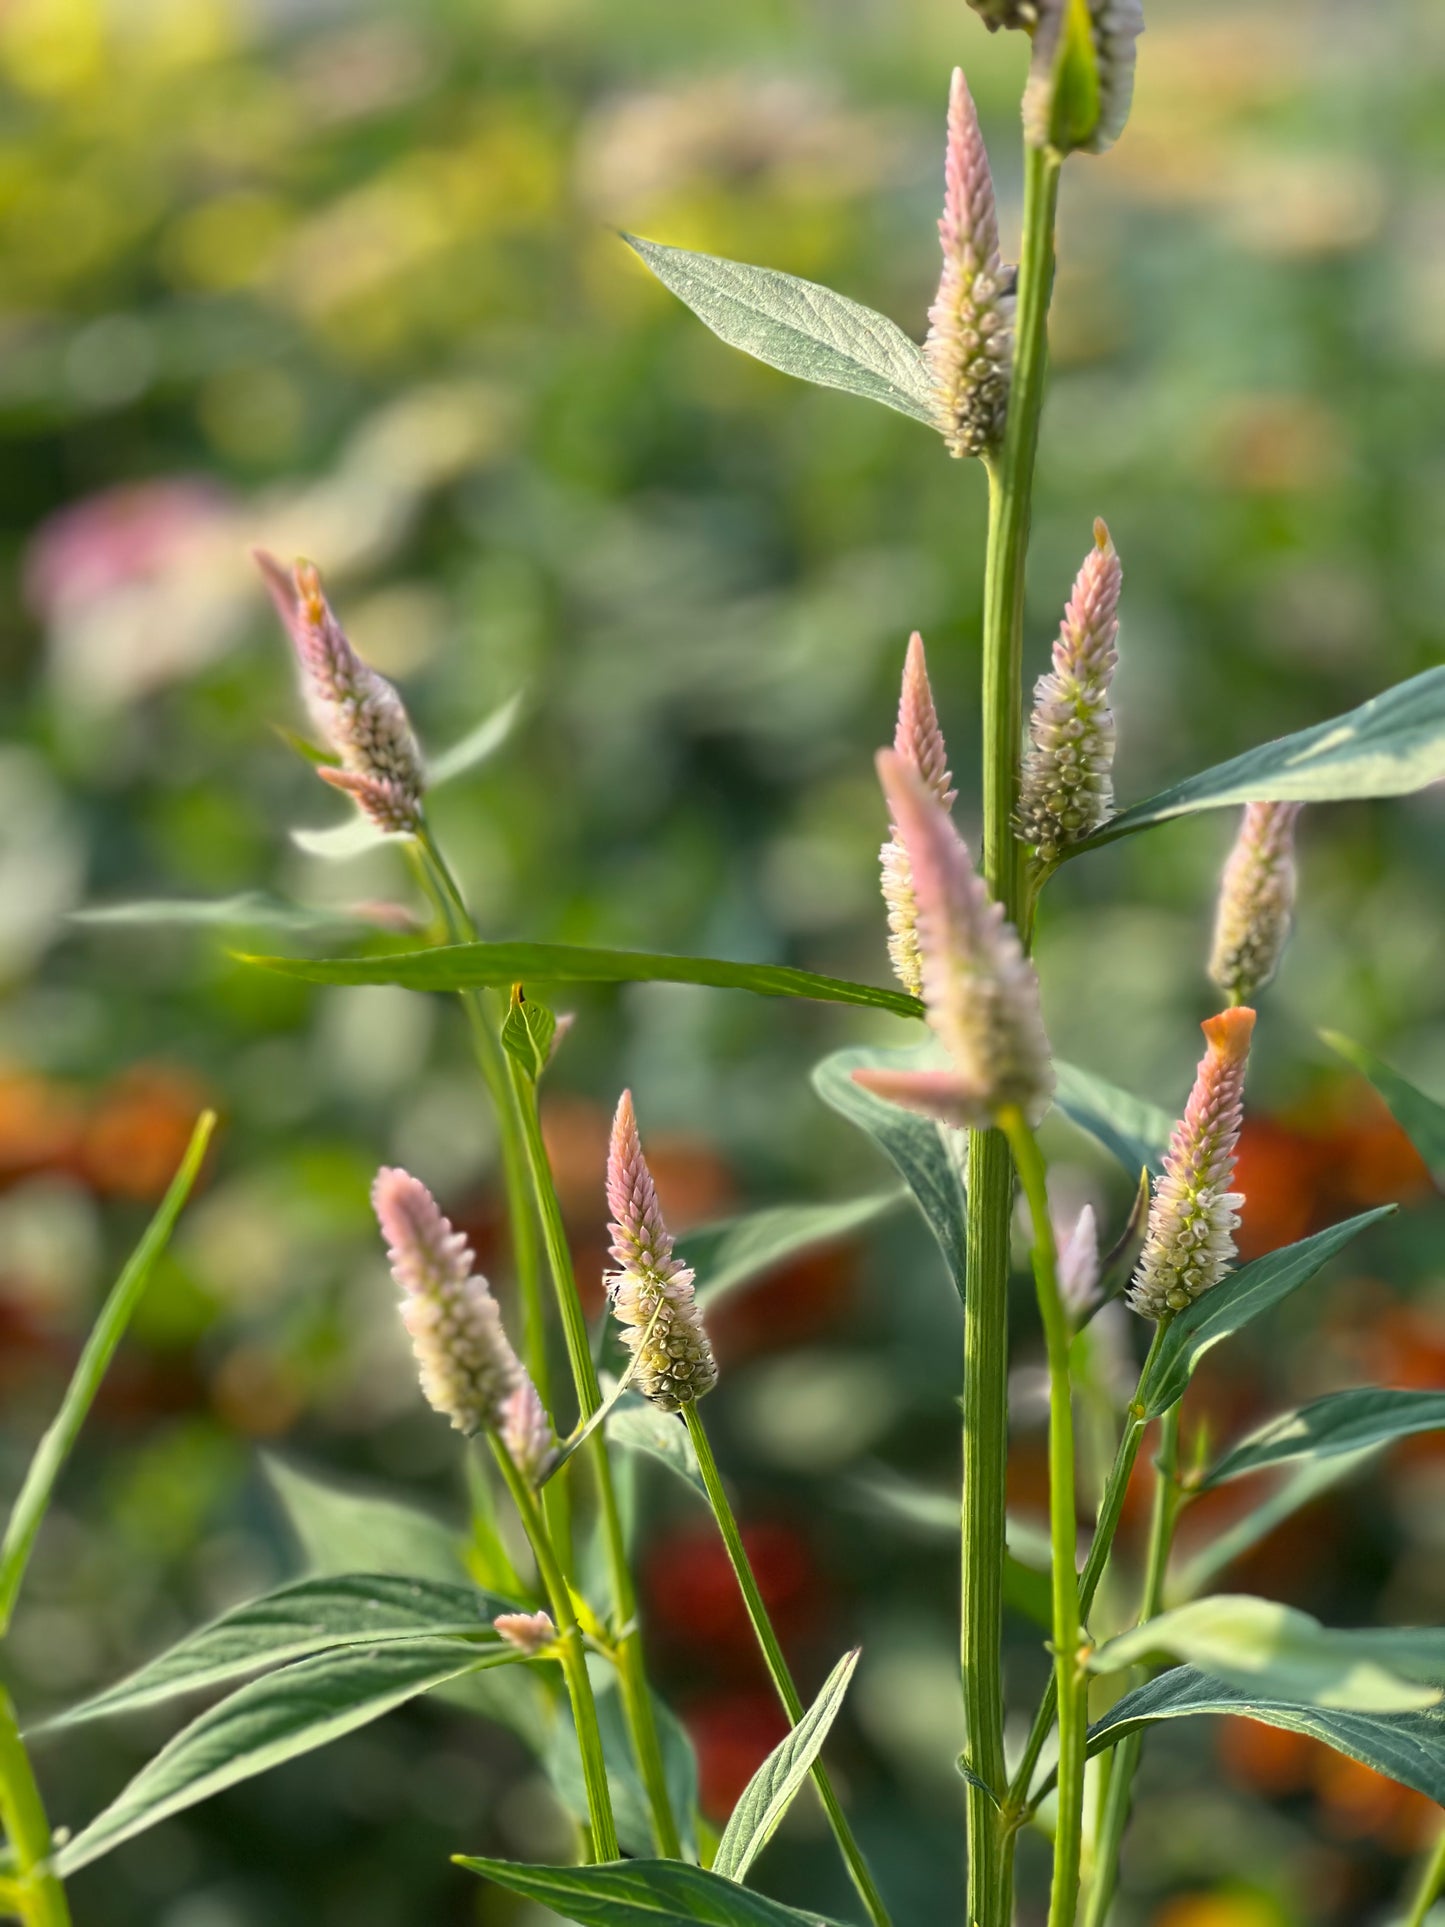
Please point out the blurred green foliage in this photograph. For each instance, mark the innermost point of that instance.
(342, 279)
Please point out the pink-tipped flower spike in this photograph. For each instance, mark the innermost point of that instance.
(651, 1291)
(1114, 29)
(530, 1633)
(1078, 1264)
(1193, 1215)
(469, 1372)
(919, 741)
(970, 325)
(358, 711)
(1067, 788)
(1256, 900)
(980, 990)
(526, 1431)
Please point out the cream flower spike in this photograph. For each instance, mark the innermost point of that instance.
(919, 741)
(1256, 900)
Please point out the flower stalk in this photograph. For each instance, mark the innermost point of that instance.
(36, 1892)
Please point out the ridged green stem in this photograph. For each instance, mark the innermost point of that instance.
(574, 1659)
(777, 1664)
(1114, 1818)
(990, 1175)
(1071, 1681)
(35, 1893)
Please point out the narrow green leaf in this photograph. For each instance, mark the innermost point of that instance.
(1237, 1299)
(309, 1616)
(642, 1893)
(469, 966)
(1408, 1747)
(737, 1250)
(1368, 1415)
(1309, 1479)
(478, 746)
(1421, 1118)
(109, 1328)
(1130, 1128)
(926, 1154)
(799, 327)
(639, 1426)
(1389, 746)
(287, 1713)
(250, 910)
(630, 1805)
(1264, 1647)
(776, 1784)
(342, 1530)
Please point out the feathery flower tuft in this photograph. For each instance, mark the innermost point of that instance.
(970, 325)
(1079, 1264)
(531, 1633)
(1256, 899)
(981, 991)
(1114, 26)
(358, 711)
(1067, 787)
(1189, 1245)
(469, 1372)
(651, 1291)
(919, 741)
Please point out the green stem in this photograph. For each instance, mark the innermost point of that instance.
(1100, 1546)
(777, 1665)
(36, 1891)
(1114, 1818)
(1071, 1681)
(574, 1659)
(1431, 1880)
(990, 1181)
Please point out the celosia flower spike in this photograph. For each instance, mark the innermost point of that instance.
(1189, 1245)
(1114, 28)
(980, 990)
(469, 1372)
(651, 1291)
(1067, 787)
(970, 325)
(1078, 1264)
(919, 741)
(357, 710)
(530, 1633)
(1256, 900)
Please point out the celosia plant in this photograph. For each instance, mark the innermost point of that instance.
(959, 1116)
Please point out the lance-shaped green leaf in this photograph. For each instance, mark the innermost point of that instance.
(1421, 1118)
(311, 1616)
(1389, 746)
(1309, 1479)
(28, 1513)
(638, 1426)
(1367, 1415)
(1408, 1747)
(642, 1893)
(735, 1251)
(1264, 1647)
(1130, 1128)
(773, 1788)
(342, 1530)
(250, 910)
(287, 1713)
(1237, 1299)
(799, 327)
(471, 966)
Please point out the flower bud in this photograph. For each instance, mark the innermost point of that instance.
(1189, 1244)
(358, 711)
(651, 1291)
(969, 346)
(530, 1633)
(1078, 1264)
(919, 741)
(1256, 900)
(980, 990)
(1081, 77)
(469, 1372)
(1067, 788)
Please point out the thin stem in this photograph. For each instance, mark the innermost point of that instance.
(1071, 1682)
(1100, 1546)
(1168, 1499)
(777, 1665)
(36, 1890)
(990, 1181)
(574, 1659)
(1431, 1880)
